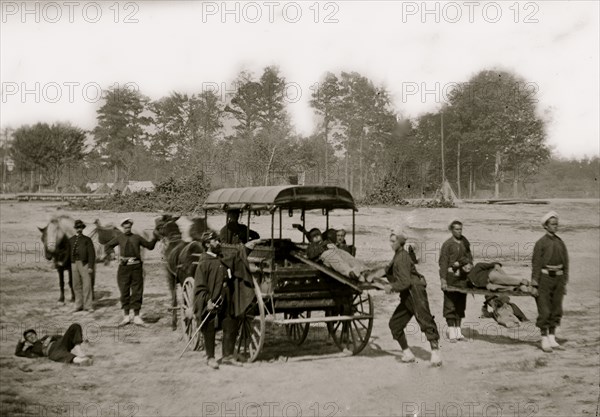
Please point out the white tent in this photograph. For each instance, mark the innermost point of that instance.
(446, 191)
(137, 186)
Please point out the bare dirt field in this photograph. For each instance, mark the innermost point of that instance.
(497, 372)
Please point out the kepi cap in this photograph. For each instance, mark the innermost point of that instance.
(79, 224)
(126, 220)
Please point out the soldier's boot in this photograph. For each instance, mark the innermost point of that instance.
(553, 343)
(452, 334)
(212, 363)
(459, 335)
(546, 347)
(408, 356)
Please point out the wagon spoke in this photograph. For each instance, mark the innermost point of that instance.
(361, 323)
(353, 335)
(358, 332)
(254, 342)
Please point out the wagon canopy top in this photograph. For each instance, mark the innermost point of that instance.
(288, 196)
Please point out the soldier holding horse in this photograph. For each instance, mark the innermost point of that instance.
(180, 256)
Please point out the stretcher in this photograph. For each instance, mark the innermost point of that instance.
(482, 291)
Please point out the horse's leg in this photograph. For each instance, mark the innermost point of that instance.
(71, 283)
(173, 288)
(93, 278)
(61, 283)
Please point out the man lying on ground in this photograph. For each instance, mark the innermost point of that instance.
(505, 312)
(65, 348)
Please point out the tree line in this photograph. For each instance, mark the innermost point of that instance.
(489, 131)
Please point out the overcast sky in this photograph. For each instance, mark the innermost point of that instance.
(51, 68)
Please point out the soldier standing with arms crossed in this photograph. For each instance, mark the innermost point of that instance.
(549, 276)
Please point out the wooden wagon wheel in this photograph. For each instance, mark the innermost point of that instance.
(297, 332)
(353, 334)
(251, 335)
(189, 323)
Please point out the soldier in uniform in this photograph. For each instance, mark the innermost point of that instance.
(83, 260)
(214, 288)
(405, 279)
(455, 250)
(234, 232)
(130, 275)
(549, 276)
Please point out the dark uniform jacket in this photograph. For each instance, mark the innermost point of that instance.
(133, 248)
(211, 275)
(314, 250)
(38, 349)
(549, 250)
(451, 252)
(402, 273)
(85, 251)
(234, 233)
(211, 281)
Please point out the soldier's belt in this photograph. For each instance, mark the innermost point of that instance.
(130, 261)
(552, 273)
(554, 267)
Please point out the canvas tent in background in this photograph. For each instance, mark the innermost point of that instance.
(137, 186)
(71, 189)
(102, 189)
(446, 192)
(93, 186)
(118, 186)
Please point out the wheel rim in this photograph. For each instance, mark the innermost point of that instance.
(353, 334)
(297, 332)
(251, 336)
(189, 326)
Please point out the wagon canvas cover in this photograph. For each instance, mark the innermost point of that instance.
(291, 197)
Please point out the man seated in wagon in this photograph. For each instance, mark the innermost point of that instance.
(340, 241)
(234, 232)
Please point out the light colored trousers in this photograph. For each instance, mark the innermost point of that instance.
(341, 261)
(500, 277)
(82, 286)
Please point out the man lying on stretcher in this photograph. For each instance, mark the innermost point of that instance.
(338, 259)
(491, 276)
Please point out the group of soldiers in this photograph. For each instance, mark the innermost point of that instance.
(549, 276)
(218, 305)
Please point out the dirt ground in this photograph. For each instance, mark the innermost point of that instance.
(497, 372)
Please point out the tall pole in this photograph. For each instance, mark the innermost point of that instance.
(5, 141)
(458, 169)
(3, 168)
(443, 164)
(360, 165)
(326, 140)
